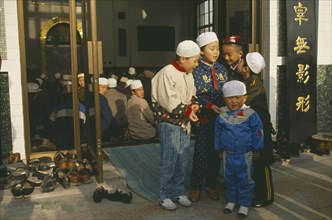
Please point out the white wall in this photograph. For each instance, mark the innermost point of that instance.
(13, 67)
(324, 47)
(272, 61)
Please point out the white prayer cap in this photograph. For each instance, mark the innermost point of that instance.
(33, 87)
(206, 38)
(234, 88)
(103, 81)
(128, 82)
(135, 84)
(132, 71)
(255, 62)
(80, 75)
(66, 77)
(67, 83)
(187, 48)
(112, 83)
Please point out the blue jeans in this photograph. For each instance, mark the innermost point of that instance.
(175, 143)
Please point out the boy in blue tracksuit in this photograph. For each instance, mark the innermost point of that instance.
(238, 139)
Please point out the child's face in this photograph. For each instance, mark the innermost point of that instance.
(81, 82)
(139, 92)
(188, 64)
(242, 69)
(211, 52)
(234, 103)
(231, 54)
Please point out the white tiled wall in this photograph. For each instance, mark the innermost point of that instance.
(324, 47)
(271, 59)
(13, 67)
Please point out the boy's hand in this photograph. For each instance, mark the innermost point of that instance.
(220, 156)
(193, 117)
(255, 156)
(216, 109)
(195, 108)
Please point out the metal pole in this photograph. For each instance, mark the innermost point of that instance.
(73, 56)
(100, 177)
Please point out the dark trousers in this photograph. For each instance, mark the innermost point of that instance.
(263, 190)
(206, 164)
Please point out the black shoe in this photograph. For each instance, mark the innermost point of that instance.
(120, 195)
(48, 184)
(17, 190)
(99, 194)
(27, 189)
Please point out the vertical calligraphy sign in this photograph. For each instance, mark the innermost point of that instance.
(301, 69)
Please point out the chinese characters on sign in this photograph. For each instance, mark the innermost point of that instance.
(301, 69)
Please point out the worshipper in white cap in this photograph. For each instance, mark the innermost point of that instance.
(146, 78)
(210, 77)
(239, 124)
(250, 68)
(141, 123)
(175, 105)
(109, 126)
(118, 103)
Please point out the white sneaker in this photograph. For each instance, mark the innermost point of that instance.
(229, 207)
(183, 200)
(243, 212)
(168, 204)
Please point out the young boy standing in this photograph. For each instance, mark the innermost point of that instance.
(173, 100)
(232, 52)
(249, 68)
(209, 79)
(238, 139)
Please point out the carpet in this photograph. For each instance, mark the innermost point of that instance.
(139, 165)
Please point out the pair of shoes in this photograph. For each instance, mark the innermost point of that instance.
(213, 194)
(62, 178)
(13, 157)
(84, 176)
(228, 209)
(20, 190)
(168, 204)
(74, 178)
(183, 200)
(243, 212)
(99, 194)
(195, 195)
(120, 195)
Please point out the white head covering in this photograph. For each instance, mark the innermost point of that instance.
(234, 88)
(255, 62)
(66, 77)
(80, 75)
(103, 81)
(187, 48)
(112, 83)
(128, 82)
(33, 87)
(206, 38)
(135, 84)
(132, 71)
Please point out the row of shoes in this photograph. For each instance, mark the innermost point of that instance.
(119, 195)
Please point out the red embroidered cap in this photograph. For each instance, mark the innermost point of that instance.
(233, 39)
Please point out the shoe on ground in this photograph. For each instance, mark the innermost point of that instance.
(99, 194)
(168, 204)
(229, 207)
(243, 212)
(183, 200)
(213, 194)
(195, 195)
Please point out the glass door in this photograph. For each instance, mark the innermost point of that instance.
(53, 44)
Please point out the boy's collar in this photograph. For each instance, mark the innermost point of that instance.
(177, 66)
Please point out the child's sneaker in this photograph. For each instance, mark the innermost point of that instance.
(243, 212)
(229, 207)
(183, 200)
(168, 204)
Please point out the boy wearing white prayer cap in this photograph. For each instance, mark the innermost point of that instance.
(239, 140)
(250, 68)
(209, 78)
(174, 105)
(141, 123)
